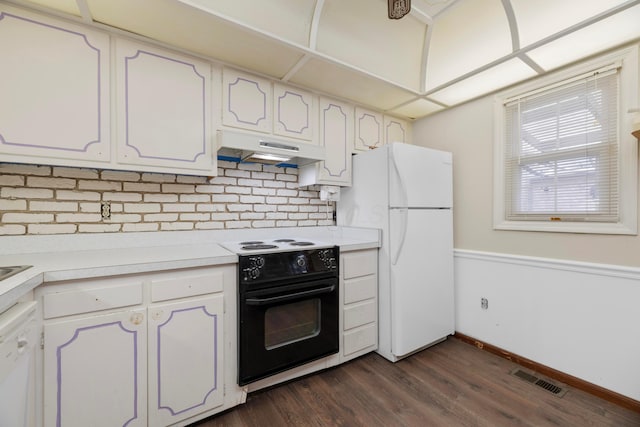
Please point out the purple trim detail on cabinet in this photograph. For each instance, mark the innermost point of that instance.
(126, 90)
(391, 122)
(375, 120)
(264, 102)
(284, 125)
(84, 37)
(135, 369)
(215, 361)
(324, 164)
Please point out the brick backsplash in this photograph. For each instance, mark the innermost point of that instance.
(62, 200)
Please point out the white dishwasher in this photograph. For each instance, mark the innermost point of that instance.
(18, 335)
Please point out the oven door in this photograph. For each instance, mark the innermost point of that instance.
(286, 326)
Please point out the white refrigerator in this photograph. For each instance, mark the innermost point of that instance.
(406, 191)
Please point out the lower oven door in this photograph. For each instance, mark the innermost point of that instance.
(286, 326)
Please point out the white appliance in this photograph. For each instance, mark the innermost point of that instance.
(18, 335)
(262, 149)
(406, 191)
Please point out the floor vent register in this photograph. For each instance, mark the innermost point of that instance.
(548, 386)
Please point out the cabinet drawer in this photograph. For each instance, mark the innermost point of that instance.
(358, 264)
(360, 338)
(360, 289)
(186, 286)
(359, 314)
(88, 299)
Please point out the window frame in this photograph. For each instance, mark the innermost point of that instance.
(627, 149)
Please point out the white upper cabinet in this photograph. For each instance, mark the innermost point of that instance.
(164, 109)
(54, 87)
(336, 136)
(396, 130)
(368, 130)
(294, 112)
(246, 101)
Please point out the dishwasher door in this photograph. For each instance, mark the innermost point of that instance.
(18, 335)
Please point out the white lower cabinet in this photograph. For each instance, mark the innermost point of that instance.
(185, 359)
(359, 295)
(142, 350)
(94, 370)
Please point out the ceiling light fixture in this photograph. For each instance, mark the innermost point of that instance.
(268, 158)
(399, 8)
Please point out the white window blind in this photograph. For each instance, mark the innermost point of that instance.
(561, 151)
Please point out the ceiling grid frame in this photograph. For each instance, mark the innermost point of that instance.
(85, 12)
(402, 99)
(313, 40)
(539, 43)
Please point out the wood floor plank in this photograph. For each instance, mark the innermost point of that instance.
(450, 384)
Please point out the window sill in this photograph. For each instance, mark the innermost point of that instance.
(568, 227)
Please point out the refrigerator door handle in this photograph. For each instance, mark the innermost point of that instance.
(402, 235)
(404, 200)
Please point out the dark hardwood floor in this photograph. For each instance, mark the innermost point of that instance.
(450, 384)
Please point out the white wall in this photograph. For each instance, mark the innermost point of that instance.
(467, 131)
(578, 318)
(585, 324)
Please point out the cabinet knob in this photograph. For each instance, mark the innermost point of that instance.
(23, 342)
(136, 318)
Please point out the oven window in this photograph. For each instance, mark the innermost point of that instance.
(293, 322)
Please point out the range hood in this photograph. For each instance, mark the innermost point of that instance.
(264, 149)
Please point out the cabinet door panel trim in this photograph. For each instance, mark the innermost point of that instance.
(264, 102)
(301, 130)
(74, 338)
(337, 110)
(138, 55)
(97, 52)
(165, 405)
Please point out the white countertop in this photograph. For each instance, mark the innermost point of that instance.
(79, 256)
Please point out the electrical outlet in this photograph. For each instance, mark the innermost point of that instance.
(105, 210)
(484, 303)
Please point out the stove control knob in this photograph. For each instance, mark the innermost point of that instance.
(257, 261)
(254, 273)
(301, 261)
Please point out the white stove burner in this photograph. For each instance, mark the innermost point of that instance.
(273, 245)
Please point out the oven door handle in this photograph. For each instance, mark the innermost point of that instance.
(288, 297)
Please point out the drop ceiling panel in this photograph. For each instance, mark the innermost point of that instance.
(466, 36)
(431, 7)
(608, 33)
(358, 32)
(185, 27)
(287, 19)
(556, 16)
(418, 108)
(349, 84)
(66, 6)
(494, 78)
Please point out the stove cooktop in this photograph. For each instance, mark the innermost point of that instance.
(273, 245)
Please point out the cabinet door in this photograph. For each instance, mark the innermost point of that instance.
(54, 91)
(293, 112)
(164, 117)
(246, 101)
(336, 135)
(95, 371)
(368, 130)
(396, 130)
(185, 359)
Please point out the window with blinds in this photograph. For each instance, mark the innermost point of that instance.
(561, 151)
